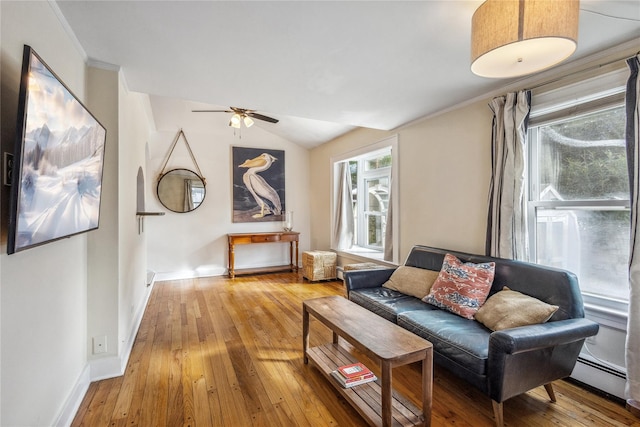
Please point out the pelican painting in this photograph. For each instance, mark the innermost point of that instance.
(262, 173)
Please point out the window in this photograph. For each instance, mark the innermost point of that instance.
(371, 169)
(370, 178)
(578, 209)
(197, 193)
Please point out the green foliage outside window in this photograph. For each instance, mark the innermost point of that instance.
(585, 157)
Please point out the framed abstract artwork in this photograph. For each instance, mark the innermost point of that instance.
(258, 184)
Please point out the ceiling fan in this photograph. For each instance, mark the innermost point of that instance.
(241, 115)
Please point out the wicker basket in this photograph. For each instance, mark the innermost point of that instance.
(319, 265)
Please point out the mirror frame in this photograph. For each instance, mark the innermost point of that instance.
(196, 178)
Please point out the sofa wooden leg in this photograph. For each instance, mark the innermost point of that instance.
(550, 392)
(497, 413)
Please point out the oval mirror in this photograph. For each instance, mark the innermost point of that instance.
(181, 190)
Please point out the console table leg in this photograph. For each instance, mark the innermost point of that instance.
(296, 243)
(231, 260)
(386, 393)
(291, 255)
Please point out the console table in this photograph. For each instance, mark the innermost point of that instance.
(292, 237)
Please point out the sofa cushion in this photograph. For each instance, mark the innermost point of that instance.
(387, 303)
(510, 309)
(461, 288)
(412, 281)
(464, 341)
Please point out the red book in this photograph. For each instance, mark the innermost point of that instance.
(354, 370)
(360, 378)
(354, 381)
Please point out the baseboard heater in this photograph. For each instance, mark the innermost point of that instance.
(607, 369)
(600, 378)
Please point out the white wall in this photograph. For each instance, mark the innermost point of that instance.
(117, 289)
(133, 291)
(44, 293)
(444, 176)
(102, 289)
(57, 297)
(194, 244)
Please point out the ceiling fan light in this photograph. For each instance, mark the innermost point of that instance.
(235, 121)
(248, 121)
(511, 38)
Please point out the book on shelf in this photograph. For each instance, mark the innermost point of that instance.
(354, 370)
(351, 382)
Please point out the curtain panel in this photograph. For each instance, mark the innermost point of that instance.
(632, 353)
(388, 231)
(506, 225)
(188, 200)
(343, 221)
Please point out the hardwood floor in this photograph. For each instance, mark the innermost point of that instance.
(221, 352)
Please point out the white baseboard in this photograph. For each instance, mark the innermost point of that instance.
(190, 274)
(70, 407)
(100, 369)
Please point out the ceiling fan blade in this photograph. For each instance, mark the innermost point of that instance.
(262, 117)
(211, 111)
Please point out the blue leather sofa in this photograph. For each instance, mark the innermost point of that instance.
(501, 364)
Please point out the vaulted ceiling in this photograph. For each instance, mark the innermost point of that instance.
(321, 67)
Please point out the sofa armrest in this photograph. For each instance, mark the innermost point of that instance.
(533, 337)
(360, 279)
(530, 356)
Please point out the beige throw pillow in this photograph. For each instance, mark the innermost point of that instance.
(412, 281)
(509, 309)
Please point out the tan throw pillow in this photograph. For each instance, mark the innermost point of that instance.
(509, 309)
(412, 281)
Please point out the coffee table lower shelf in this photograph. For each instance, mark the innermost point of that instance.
(365, 398)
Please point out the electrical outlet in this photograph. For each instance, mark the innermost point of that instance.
(100, 344)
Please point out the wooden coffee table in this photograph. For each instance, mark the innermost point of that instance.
(382, 341)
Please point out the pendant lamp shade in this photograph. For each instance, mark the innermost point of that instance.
(511, 38)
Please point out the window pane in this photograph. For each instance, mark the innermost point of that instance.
(377, 194)
(383, 161)
(375, 230)
(583, 158)
(594, 244)
(353, 171)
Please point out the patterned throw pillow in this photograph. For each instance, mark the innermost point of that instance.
(461, 288)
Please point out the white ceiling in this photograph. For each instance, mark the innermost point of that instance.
(321, 67)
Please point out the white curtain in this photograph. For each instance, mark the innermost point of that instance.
(388, 231)
(506, 225)
(188, 199)
(343, 221)
(633, 160)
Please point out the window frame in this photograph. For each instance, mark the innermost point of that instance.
(594, 94)
(363, 251)
(363, 214)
